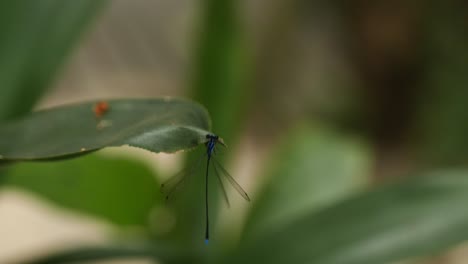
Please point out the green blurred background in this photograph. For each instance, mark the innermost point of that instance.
(346, 123)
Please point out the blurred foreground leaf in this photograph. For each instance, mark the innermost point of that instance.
(35, 37)
(158, 125)
(417, 217)
(118, 190)
(134, 252)
(314, 168)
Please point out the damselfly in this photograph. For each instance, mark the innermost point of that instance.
(176, 181)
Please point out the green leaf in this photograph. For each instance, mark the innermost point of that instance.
(442, 120)
(118, 190)
(35, 38)
(221, 66)
(421, 216)
(158, 125)
(313, 168)
(137, 251)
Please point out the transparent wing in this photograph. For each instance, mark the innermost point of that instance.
(176, 182)
(222, 186)
(231, 180)
(219, 151)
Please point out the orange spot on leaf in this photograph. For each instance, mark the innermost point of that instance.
(100, 108)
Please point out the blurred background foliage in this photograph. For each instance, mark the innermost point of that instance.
(345, 122)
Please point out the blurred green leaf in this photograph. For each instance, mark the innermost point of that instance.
(119, 190)
(442, 120)
(221, 67)
(136, 251)
(421, 216)
(313, 168)
(35, 37)
(158, 125)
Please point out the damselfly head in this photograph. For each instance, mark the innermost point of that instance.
(212, 136)
(216, 138)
